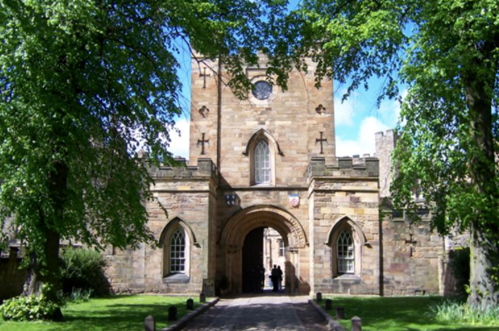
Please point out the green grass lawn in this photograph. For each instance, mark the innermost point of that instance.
(108, 314)
(396, 314)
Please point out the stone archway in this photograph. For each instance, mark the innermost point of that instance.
(237, 228)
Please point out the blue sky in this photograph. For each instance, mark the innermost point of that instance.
(356, 119)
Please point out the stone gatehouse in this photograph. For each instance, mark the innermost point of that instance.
(270, 162)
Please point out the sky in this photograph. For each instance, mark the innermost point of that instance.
(357, 119)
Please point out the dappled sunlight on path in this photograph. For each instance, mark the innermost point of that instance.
(260, 312)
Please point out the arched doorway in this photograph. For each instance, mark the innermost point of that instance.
(235, 232)
(263, 249)
(253, 268)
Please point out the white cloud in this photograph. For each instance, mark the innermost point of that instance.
(365, 142)
(389, 110)
(344, 112)
(179, 145)
(386, 117)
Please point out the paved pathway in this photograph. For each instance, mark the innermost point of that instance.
(259, 312)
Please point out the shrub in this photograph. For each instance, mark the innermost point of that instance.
(78, 295)
(457, 311)
(82, 269)
(27, 308)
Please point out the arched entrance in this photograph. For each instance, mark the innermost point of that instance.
(253, 267)
(236, 230)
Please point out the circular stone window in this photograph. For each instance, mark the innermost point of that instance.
(262, 90)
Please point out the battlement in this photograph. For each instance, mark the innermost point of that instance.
(385, 141)
(385, 144)
(357, 159)
(345, 167)
(205, 169)
(385, 135)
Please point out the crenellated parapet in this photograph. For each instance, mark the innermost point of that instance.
(385, 144)
(345, 167)
(206, 169)
(344, 196)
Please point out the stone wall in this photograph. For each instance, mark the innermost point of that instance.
(188, 195)
(408, 268)
(11, 277)
(344, 195)
(411, 263)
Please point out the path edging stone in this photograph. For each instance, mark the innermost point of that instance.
(332, 324)
(178, 325)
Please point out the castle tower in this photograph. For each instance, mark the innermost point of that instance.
(385, 144)
(296, 124)
(266, 162)
(262, 147)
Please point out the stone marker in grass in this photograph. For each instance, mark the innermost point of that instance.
(190, 304)
(202, 297)
(356, 324)
(340, 313)
(319, 297)
(329, 304)
(172, 313)
(150, 324)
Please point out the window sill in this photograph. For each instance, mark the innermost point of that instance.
(347, 278)
(176, 278)
(262, 185)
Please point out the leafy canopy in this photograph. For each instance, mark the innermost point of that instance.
(83, 84)
(446, 52)
(441, 50)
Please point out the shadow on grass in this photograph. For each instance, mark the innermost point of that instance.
(110, 314)
(396, 314)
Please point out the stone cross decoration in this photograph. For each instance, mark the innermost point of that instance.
(204, 75)
(321, 140)
(202, 142)
(204, 111)
(320, 109)
(411, 242)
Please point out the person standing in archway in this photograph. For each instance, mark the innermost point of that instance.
(279, 278)
(261, 278)
(275, 278)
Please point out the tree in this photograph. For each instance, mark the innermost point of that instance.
(85, 83)
(446, 52)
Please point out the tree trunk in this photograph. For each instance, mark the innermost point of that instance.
(484, 256)
(481, 158)
(44, 272)
(31, 284)
(44, 276)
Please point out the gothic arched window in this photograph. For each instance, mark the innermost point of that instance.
(345, 253)
(177, 252)
(346, 240)
(177, 244)
(262, 163)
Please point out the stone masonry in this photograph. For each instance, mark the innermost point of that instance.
(215, 200)
(311, 199)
